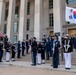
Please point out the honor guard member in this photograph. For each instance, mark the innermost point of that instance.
(5, 41)
(34, 51)
(27, 46)
(48, 48)
(23, 48)
(8, 49)
(39, 49)
(67, 47)
(43, 53)
(13, 52)
(19, 49)
(56, 46)
(1, 50)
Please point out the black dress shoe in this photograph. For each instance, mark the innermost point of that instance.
(67, 68)
(33, 65)
(1, 61)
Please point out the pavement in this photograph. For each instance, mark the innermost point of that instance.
(43, 66)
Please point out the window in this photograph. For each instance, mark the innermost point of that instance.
(15, 38)
(5, 28)
(6, 15)
(17, 12)
(28, 8)
(27, 36)
(15, 27)
(51, 20)
(50, 4)
(70, 1)
(28, 24)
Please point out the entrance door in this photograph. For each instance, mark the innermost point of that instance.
(72, 31)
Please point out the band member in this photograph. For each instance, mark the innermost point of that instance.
(8, 49)
(67, 47)
(34, 51)
(19, 49)
(43, 53)
(1, 50)
(56, 46)
(39, 48)
(13, 52)
(23, 48)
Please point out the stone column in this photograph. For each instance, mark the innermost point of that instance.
(11, 18)
(2, 15)
(23, 19)
(38, 19)
(59, 16)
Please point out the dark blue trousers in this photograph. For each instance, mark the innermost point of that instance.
(1, 55)
(18, 55)
(23, 49)
(55, 60)
(34, 58)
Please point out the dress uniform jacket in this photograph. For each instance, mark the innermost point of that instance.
(67, 45)
(39, 48)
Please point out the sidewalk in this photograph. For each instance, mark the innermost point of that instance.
(43, 66)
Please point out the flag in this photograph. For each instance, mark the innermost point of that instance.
(70, 15)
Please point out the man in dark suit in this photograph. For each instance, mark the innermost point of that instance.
(34, 51)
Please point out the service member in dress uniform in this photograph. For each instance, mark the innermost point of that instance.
(34, 51)
(39, 49)
(56, 46)
(48, 48)
(19, 49)
(23, 48)
(8, 49)
(43, 53)
(27, 46)
(67, 47)
(13, 52)
(1, 50)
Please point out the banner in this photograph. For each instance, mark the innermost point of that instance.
(70, 15)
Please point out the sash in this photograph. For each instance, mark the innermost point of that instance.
(66, 46)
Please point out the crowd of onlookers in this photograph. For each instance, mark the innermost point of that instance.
(43, 49)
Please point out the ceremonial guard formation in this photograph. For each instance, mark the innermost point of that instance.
(41, 50)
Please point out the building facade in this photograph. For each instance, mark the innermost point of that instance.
(23, 19)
